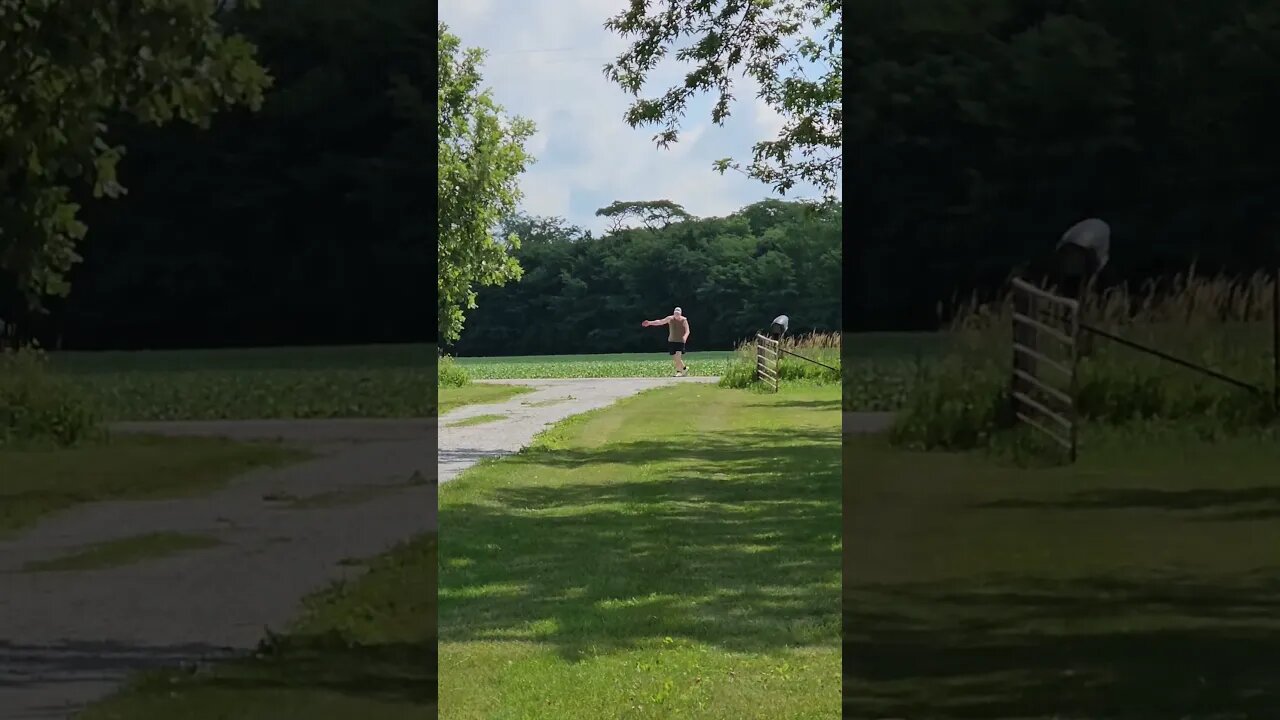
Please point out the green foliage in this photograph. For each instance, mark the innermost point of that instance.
(451, 374)
(741, 372)
(652, 213)
(1221, 323)
(481, 156)
(822, 347)
(66, 71)
(731, 275)
(984, 129)
(38, 407)
(878, 385)
(311, 207)
(956, 406)
(791, 48)
(316, 382)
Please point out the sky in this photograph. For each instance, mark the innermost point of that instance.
(544, 62)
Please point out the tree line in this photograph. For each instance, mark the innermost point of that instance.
(982, 130)
(731, 275)
(254, 173)
(307, 220)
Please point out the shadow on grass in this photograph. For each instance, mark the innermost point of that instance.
(1150, 499)
(27, 665)
(392, 672)
(736, 546)
(833, 405)
(1101, 647)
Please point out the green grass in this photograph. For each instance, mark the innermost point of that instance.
(347, 496)
(37, 482)
(364, 649)
(124, 551)
(1143, 578)
(478, 420)
(655, 364)
(477, 394)
(322, 382)
(673, 556)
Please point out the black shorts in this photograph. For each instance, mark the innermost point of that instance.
(674, 347)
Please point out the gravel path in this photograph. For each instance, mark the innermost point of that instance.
(528, 414)
(861, 423)
(69, 638)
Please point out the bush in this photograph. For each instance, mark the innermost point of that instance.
(451, 373)
(823, 347)
(38, 407)
(1221, 323)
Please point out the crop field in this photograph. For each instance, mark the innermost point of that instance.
(881, 369)
(320, 382)
(655, 364)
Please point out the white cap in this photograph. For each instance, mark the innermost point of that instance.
(679, 310)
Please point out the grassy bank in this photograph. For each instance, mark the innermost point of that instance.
(673, 556)
(365, 649)
(1142, 578)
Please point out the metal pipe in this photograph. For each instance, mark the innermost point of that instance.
(1177, 361)
(815, 362)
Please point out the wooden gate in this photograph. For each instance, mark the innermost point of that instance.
(767, 356)
(1046, 337)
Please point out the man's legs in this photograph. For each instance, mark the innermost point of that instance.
(680, 366)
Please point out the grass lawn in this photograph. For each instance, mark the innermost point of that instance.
(452, 398)
(37, 482)
(1143, 582)
(654, 364)
(125, 551)
(673, 556)
(359, 381)
(366, 649)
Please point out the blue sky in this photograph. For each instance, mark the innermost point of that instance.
(544, 63)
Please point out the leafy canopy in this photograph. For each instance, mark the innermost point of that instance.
(66, 68)
(651, 213)
(791, 48)
(481, 156)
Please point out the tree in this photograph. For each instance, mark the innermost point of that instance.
(311, 207)
(481, 155)
(653, 214)
(733, 273)
(791, 48)
(68, 68)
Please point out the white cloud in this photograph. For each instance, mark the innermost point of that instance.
(545, 61)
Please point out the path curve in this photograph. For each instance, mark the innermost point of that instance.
(528, 414)
(70, 638)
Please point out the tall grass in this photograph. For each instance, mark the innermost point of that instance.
(822, 347)
(1220, 322)
(451, 373)
(38, 407)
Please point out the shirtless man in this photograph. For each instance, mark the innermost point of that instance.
(677, 335)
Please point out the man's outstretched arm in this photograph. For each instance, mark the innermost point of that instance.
(663, 321)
